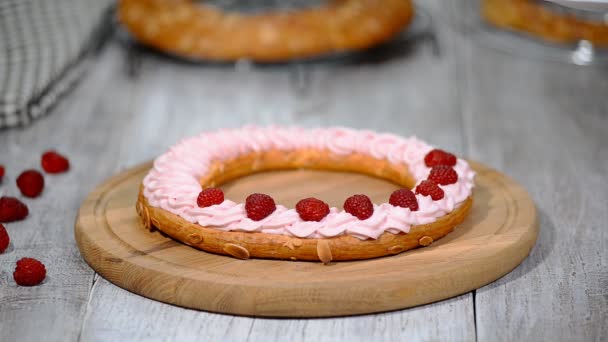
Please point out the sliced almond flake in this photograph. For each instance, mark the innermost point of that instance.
(236, 251)
(324, 252)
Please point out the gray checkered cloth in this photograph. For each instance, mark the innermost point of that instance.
(43, 50)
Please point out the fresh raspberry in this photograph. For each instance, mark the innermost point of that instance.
(443, 174)
(31, 183)
(29, 272)
(12, 209)
(209, 197)
(404, 198)
(439, 157)
(312, 209)
(1, 172)
(53, 162)
(4, 239)
(259, 206)
(360, 206)
(429, 188)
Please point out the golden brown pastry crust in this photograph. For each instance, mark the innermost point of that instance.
(533, 18)
(244, 245)
(197, 31)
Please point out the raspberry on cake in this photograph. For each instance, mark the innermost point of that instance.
(439, 157)
(404, 198)
(312, 209)
(359, 206)
(443, 174)
(441, 199)
(430, 188)
(209, 197)
(259, 206)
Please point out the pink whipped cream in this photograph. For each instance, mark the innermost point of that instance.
(173, 183)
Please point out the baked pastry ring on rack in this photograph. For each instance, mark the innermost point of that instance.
(169, 193)
(535, 18)
(198, 31)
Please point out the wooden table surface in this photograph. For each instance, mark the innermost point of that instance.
(544, 124)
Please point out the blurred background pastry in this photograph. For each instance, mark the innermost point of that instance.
(267, 31)
(548, 20)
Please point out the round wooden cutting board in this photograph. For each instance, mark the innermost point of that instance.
(494, 239)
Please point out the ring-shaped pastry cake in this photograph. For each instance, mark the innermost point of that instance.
(198, 30)
(171, 194)
(544, 20)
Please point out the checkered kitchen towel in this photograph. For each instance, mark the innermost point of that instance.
(43, 49)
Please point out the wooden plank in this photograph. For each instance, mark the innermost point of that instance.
(546, 125)
(175, 100)
(84, 128)
(138, 318)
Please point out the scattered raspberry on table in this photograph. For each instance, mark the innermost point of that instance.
(29, 272)
(12, 209)
(53, 162)
(30, 183)
(4, 239)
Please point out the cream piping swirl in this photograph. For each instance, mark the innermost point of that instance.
(173, 182)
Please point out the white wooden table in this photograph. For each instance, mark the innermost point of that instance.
(544, 124)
